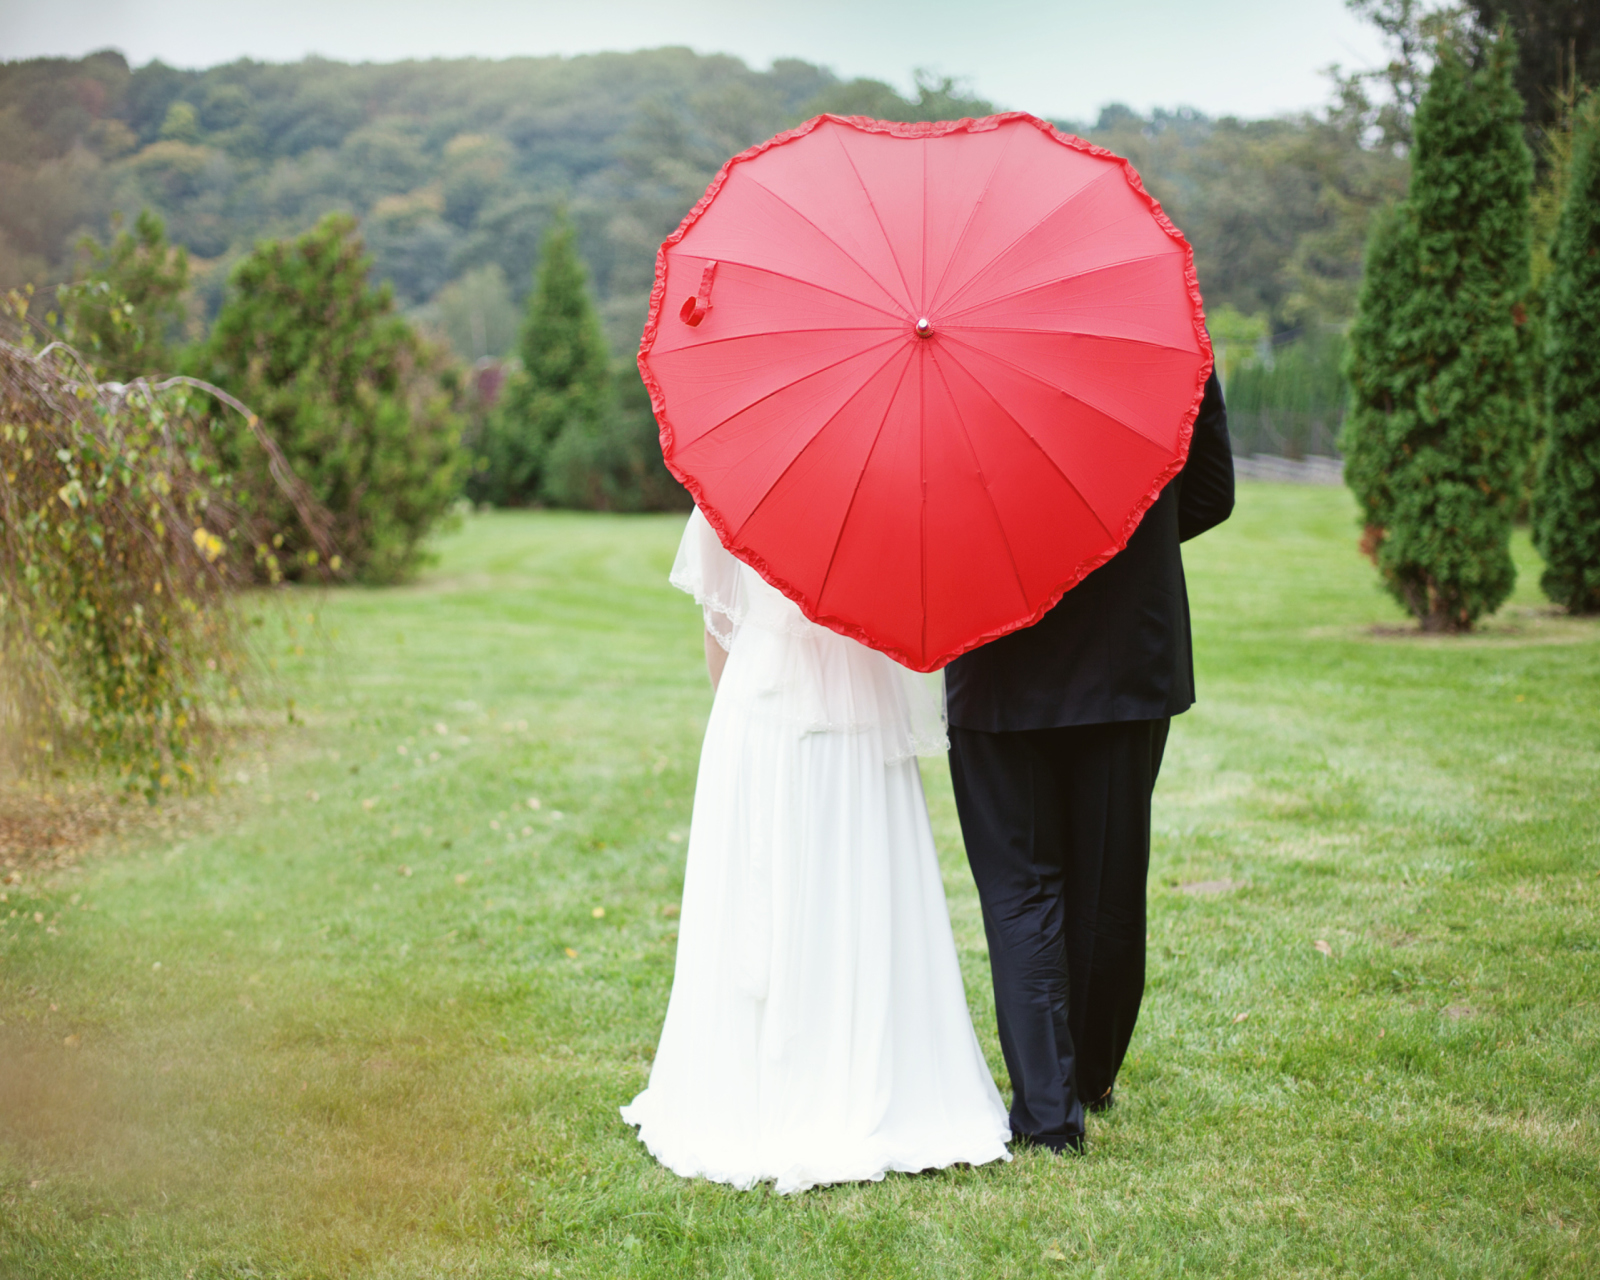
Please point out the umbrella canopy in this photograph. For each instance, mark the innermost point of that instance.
(925, 378)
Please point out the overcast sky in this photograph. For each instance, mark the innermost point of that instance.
(1063, 58)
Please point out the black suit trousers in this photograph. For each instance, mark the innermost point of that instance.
(1057, 828)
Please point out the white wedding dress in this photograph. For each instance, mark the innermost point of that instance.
(818, 1030)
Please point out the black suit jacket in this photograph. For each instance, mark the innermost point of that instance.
(1117, 647)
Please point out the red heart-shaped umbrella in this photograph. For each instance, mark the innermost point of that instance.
(923, 378)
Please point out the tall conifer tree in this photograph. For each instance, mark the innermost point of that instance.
(565, 379)
(1566, 500)
(1440, 414)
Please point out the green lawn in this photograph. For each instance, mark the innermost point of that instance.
(366, 1016)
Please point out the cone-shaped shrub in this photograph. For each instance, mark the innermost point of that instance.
(1440, 417)
(363, 409)
(563, 385)
(1566, 500)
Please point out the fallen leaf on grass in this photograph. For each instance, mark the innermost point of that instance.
(1240, 1017)
(462, 878)
(571, 954)
(72, 1042)
(670, 910)
(367, 804)
(1455, 1012)
(1323, 947)
(1052, 1253)
(598, 913)
(404, 870)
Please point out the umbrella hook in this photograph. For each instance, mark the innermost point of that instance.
(694, 309)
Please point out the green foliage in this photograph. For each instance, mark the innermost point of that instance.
(1558, 42)
(937, 98)
(363, 409)
(1235, 339)
(559, 397)
(617, 466)
(1291, 403)
(475, 314)
(128, 303)
(120, 544)
(1566, 500)
(456, 166)
(1440, 420)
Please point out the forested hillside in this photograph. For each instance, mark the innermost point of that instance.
(456, 169)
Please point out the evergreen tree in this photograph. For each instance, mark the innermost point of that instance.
(1566, 499)
(1440, 414)
(361, 407)
(563, 386)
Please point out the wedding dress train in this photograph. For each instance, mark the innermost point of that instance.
(817, 1030)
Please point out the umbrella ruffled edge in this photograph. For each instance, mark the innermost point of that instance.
(924, 129)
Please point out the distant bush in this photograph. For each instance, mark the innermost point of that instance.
(1292, 403)
(364, 410)
(121, 540)
(617, 466)
(127, 304)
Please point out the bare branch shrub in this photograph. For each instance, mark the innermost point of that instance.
(122, 545)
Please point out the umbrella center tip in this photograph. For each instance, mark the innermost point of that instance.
(924, 327)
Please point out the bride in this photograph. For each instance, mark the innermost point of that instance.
(817, 1030)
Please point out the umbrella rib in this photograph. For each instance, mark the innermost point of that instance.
(988, 497)
(778, 333)
(1045, 284)
(1029, 230)
(972, 215)
(1071, 333)
(800, 453)
(796, 382)
(1033, 377)
(876, 217)
(806, 218)
(1043, 452)
(855, 491)
(820, 288)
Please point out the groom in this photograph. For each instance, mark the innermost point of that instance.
(1056, 735)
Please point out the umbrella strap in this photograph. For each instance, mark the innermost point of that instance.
(694, 309)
